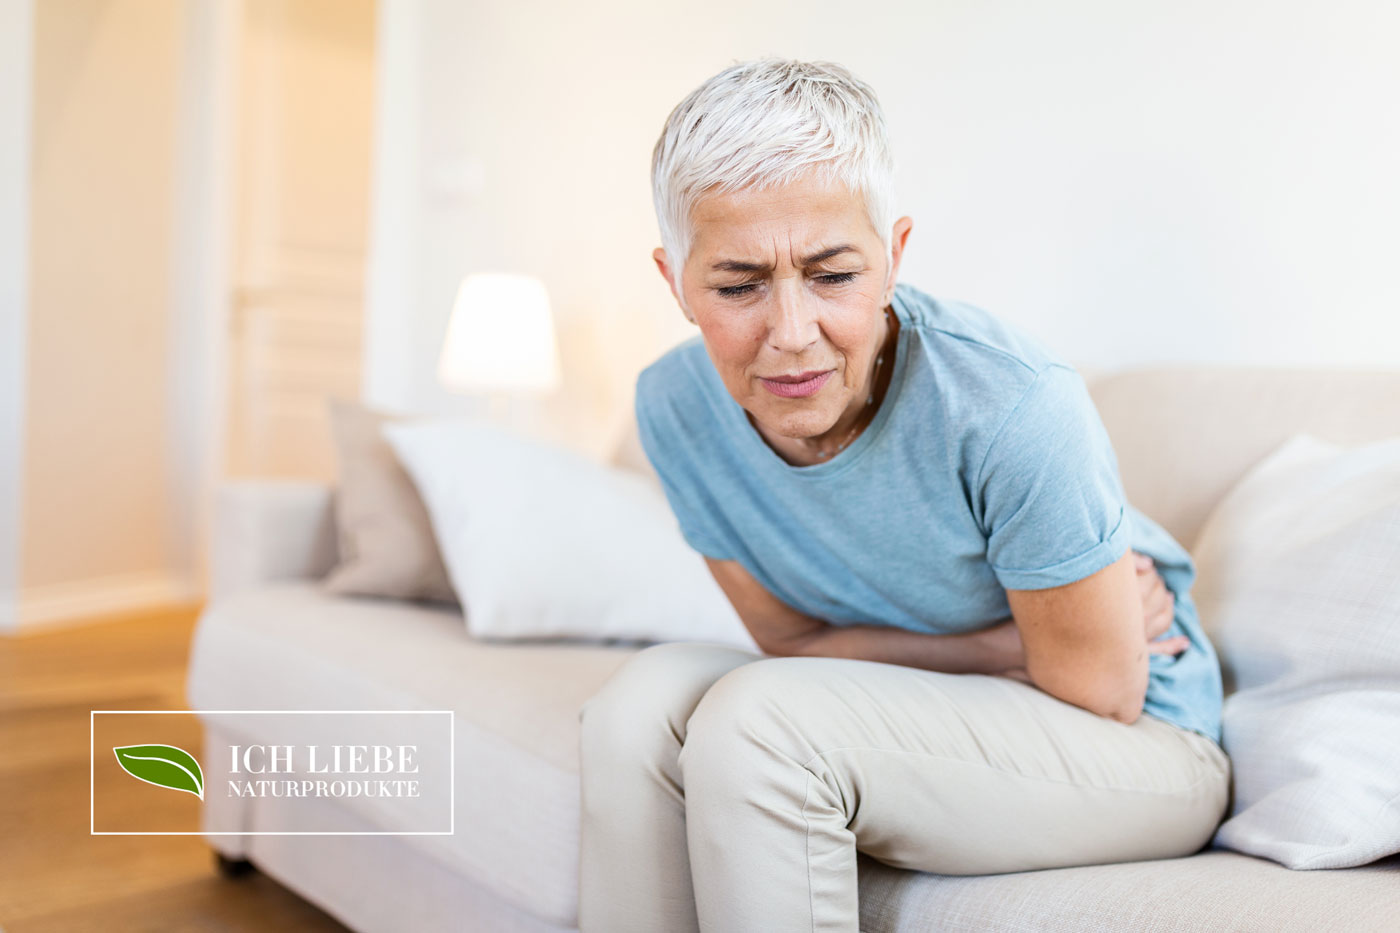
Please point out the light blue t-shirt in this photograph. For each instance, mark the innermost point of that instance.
(986, 468)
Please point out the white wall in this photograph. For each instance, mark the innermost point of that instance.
(1137, 183)
(96, 533)
(396, 207)
(16, 61)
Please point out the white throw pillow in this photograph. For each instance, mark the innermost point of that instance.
(541, 542)
(1298, 587)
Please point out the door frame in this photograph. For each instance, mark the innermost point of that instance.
(201, 283)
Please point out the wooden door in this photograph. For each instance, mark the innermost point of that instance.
(302, 183)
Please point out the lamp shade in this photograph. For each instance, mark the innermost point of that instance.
(500, 337)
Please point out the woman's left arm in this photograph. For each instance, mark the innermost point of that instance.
(1083, 641)
(1059, 532)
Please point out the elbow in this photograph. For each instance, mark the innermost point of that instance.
(775, 647)
(1118, 707)
(1119, 696)
(795, 644)
(1128, 714)
(793, 647)
(772, 650)
(1125, 703)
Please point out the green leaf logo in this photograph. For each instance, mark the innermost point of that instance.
(163, 766)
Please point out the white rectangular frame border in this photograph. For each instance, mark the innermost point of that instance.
(451, 765)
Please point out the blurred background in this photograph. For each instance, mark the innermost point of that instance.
(216, 213)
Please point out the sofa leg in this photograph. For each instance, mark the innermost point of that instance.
(232, 867)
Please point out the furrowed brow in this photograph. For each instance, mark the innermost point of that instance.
(826, 254)
(735, 265)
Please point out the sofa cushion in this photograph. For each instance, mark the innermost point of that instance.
(292, 646)
(1298, 589)
(543, 542)
(384, 536)
(1186, 434)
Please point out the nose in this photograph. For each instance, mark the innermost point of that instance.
(792, 325)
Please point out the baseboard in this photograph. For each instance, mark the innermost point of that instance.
(61, 604)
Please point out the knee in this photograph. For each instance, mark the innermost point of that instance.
(651, 694)
(748, 718)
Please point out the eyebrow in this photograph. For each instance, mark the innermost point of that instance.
(736, 265)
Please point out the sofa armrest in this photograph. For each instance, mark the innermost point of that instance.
(268, 530)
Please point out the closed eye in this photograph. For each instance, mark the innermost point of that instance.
(833, 278)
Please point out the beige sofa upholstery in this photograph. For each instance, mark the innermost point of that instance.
(271, 640)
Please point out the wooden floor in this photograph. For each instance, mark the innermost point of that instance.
(55, 877)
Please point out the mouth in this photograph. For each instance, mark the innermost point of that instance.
(797, 385)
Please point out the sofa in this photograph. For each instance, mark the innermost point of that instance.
(270, 638)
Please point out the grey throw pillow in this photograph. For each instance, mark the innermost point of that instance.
(386, 540)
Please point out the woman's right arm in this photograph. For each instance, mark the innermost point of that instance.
(781, 630)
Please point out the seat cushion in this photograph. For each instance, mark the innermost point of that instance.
(1213, 890)
(292, 646)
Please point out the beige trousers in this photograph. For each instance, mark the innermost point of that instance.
(729, 791)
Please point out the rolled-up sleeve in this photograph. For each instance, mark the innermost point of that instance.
(1051, 502)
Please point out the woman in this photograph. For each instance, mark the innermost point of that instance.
(916, 511)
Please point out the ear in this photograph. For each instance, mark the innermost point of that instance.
(898, 236)
(662, 264)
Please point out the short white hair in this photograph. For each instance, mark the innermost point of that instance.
(764, 123)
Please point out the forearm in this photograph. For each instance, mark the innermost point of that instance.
(961, 653)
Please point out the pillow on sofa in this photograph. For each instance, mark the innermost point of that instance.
(382, 528)
(1298, 587)
(541, 542)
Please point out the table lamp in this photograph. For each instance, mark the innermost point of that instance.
(500, 339)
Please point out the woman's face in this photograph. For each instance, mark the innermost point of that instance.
(784, 282)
